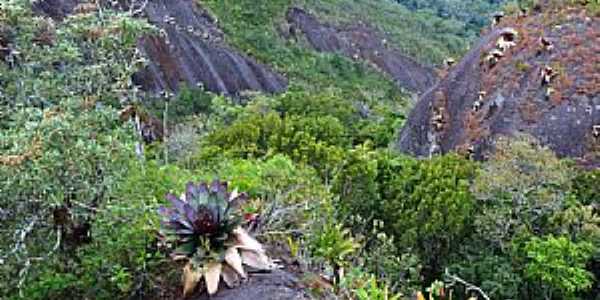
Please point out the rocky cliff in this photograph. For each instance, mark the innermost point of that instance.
(189, 49)
(361, 42)
(535, 74)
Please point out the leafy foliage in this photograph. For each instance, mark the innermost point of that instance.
(522, 186)
(524, 194)
(497, 275)
(474, 14)
(586, 187)
(52, 114)
(432, 208)
(315, 141)
(374, 290)
(559, 264)
(381, 257)
(333, 244)
(314, 161)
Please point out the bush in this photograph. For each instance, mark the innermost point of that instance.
(50, 190)
(122, 258)
(333, 245)
(381, 257)
(364, 287)
(495, 274)
(431, 209)
(357, 186)
(426, 205)
(559, 264)
(315, 141)
(523, 185)
(524, 191)
(264, 178)
(586, 188)
(63, 147)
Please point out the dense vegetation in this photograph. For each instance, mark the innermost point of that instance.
(80, 190)
(473, 13)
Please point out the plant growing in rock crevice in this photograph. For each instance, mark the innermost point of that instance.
(204, 227)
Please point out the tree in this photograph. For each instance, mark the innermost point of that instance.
(63, 147)
(559, 264)
(431, 210)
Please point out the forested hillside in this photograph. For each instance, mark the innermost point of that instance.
(242, 149)
(475, 14)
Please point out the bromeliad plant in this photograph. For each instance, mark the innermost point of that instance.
(203, 225)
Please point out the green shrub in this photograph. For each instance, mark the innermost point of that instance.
(559, 264)
(187, 103)
(328, 103)
(372, 290)
(524, 191)
(356, 184)
(586, 188)
(426, 205)
(430, 209)
(122, 257)
(263, 178)
(315, 141)
(333, 244)
(381, 257)
(523, 185)
(63, 147)
(76, 160)
(497, 275)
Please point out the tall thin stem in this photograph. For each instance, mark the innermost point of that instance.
(165, 133)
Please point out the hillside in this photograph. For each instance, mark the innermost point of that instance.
(242, 149)
(545, 85)
(475, 14)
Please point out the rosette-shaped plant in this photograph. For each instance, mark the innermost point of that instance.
(203, 226)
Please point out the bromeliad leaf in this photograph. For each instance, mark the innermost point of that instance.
(233, 258)
(212, 276)
(231, 277)
(191, 277)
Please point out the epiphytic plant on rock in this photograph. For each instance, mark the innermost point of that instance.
(203, 226)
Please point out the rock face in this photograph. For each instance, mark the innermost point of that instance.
(190, 49)
(545, 83)
(276, 285)
(360, 41)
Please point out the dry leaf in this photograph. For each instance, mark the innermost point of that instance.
(257, 260)
(420, 296)
(233, 259)
(234, 194)
(245, 241)
(191, 278)
(212, 276)
(230, 276)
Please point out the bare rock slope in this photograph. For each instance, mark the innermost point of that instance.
(361, 42)
(537, 74)
(267, 286)
(190, 49)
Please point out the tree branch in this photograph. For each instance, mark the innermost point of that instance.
(470, 287)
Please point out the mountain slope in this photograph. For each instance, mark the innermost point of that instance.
(474, 13)
(188, 50)
(561, 110)
(228, 47)
(361, 42)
